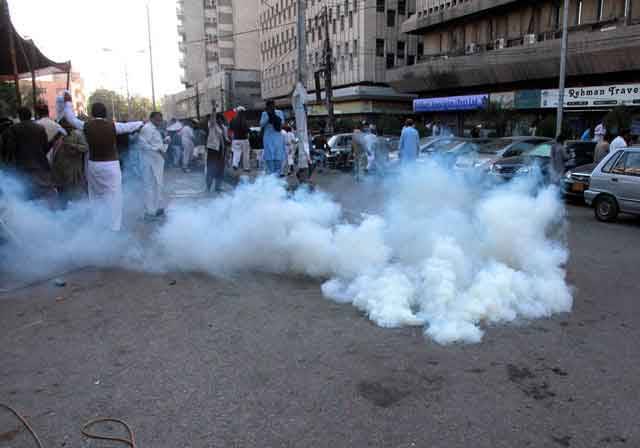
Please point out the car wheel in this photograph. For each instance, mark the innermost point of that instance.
(606, 208)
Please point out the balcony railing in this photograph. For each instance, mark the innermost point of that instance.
(524, 40)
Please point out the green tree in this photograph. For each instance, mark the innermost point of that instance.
(8, 97)
(141, 107)
(115, 103)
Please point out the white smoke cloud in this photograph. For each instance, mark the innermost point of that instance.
(445, 254)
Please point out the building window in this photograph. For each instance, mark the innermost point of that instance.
(402, 7)
(411, 59)
(420, 50)
(342, 23)
(400, 50)
(350, 19)
(380, 5)
(334, 26)
(391, 60)
(355, 5)
(380, 47)
(391, 18)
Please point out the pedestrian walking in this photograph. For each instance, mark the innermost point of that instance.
(68, 166)
(104, 175)
(370, 142)
(289, 144)
(188, 143)
(26, 145)
(409, 143)
(240, 140)
(273, 141)
(602, 148)
(217, 140)
(621, 141)
(599, 133)
(358, 150)
(154, 147)
(559, 158)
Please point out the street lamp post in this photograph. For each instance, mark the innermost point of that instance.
(153, 87)
(563, 66)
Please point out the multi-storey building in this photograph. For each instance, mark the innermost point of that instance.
(216, 35)
(365, 41)
(49, 87)
(219, 55)
(510, 50)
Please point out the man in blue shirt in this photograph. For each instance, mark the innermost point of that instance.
(271, 123)
(409, 143)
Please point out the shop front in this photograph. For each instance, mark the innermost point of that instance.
(449, 113)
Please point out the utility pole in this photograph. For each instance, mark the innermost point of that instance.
(153, 86)
(563, 66)
(197, 103)
(126, 82)
(302, 42)
(328, 69)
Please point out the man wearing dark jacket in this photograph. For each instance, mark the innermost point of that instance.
(26, 144)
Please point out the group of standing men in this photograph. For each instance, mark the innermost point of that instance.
(65, 159)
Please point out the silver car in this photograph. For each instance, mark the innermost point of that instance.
(614, 186)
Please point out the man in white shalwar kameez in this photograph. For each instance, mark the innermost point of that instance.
(104, 177)
(188, 141)
(154, 146)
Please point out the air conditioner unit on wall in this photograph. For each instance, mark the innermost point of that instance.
(530, 39)
(499, 44)
(471, 48)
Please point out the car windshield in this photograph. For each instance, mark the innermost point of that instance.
(543, 150)
(441, 145)
(333, 141)
(495, 146)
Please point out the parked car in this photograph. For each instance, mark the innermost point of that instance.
(339, 151)
(614, 186)
(576, 181)
(493, 150)
(539, 158)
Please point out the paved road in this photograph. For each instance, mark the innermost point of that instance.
(265, 361)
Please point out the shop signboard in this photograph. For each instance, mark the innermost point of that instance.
(527, 99)
(597, 96)
(450, 103)
(506, 100)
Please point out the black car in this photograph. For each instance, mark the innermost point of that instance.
(576, 181)
(539, 158)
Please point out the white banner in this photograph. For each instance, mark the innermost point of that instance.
(597, 96)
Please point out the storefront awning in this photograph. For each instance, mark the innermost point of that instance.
(28, 58)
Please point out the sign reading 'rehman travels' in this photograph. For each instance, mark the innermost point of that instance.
(598, 96)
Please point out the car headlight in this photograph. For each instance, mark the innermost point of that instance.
(567, 175)
(524, 170)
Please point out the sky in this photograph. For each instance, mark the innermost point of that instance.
(79, 30)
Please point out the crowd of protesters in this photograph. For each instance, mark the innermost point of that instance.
(68, 159)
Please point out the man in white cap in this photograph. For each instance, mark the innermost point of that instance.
(240, 140)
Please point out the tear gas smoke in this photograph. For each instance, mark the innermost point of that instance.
(445, 254)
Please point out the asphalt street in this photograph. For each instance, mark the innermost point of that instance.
(261, 360)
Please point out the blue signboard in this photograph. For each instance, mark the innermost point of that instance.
(450, 103)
